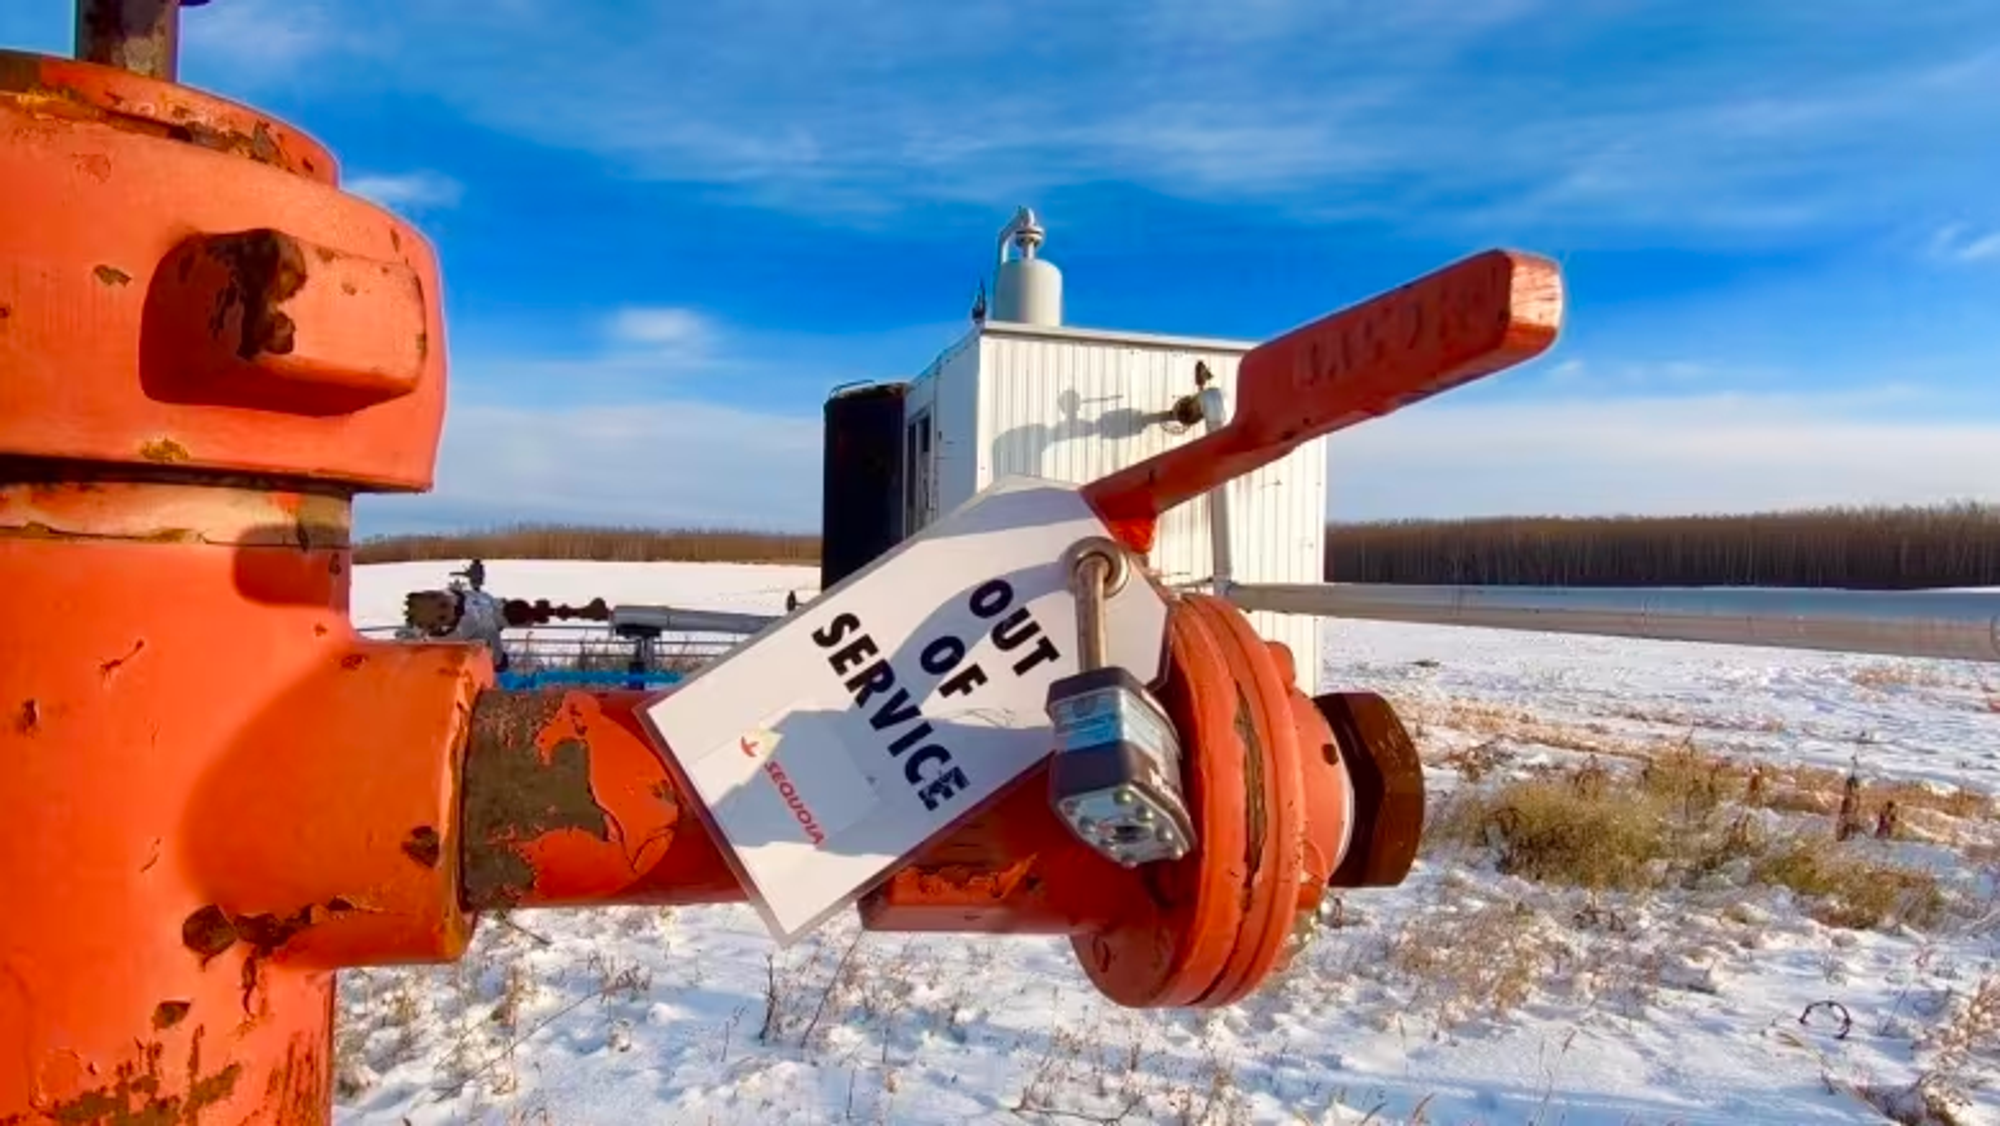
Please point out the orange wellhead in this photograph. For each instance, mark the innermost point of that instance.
(218, 795)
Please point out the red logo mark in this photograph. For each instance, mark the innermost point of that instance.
(795, 802)
(749, 748)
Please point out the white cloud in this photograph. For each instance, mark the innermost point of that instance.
(259, 41)
(1507, 111)
(684, 463)
(1958, 243)
(408, 191)
(657, 463)
(1662, 455)
(671, 334)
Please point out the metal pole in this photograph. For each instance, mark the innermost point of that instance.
(1949, 625)
(1222, 554)
(1087, 581)
(142, 36)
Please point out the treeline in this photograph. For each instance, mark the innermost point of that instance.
(1853, 548)
(609, 545)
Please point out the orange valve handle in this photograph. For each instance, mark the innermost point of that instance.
(1470, 319)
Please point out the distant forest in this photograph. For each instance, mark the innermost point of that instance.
(606, 545)
(1853, 548)
(1856, 548)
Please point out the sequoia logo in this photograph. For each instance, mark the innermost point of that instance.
(762, 741)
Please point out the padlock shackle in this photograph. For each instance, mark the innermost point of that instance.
(1470, 319)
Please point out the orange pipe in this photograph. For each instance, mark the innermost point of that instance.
(217, 793)
(567, 803)
(213, 789)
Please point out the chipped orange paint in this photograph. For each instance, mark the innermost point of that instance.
(567, 803)
(333, 370)
(249, 791)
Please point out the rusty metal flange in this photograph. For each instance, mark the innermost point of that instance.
(1271, 823)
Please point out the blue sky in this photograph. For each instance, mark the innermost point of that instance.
(668, 228)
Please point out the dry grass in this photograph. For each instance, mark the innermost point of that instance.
(1489, 958)
(1677, 766)
(1888, 675)
(1682, 823)
(1596, 835)
(1850, 891)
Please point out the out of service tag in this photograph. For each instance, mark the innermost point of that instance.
(840, 740)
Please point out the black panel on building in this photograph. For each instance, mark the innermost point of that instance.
(861, 511)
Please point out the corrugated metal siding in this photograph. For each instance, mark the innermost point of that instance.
(1075, 410)
(958, 425)
(945, 391)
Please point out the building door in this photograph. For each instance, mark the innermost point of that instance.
(919, 479)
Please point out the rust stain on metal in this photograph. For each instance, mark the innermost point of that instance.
(208, 932)
(135, 1096)
(36, 84)
(167, 1014)
(165, 451)
(29, 720)
(107, 668)
(298, 1089)
(110, 667)
(514, 793)
(266, 269)
(353, 661)
(141, 36)
(267, 933)
(423, 345)
(1387, 777)
(1253, 785)
(424, 846)
(152, 858)
(348, 288)
(112, 275)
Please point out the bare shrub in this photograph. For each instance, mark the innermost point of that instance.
(1676, 828)
(1553, 832)
(1848, 890)
(1960, 1052)
(1481, 960)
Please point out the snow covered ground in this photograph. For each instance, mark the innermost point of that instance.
(1466, 995)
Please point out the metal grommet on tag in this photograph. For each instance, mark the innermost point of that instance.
(1118, 562)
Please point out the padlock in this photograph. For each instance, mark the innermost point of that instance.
(1115, 778)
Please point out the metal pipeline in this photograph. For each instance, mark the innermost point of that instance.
(675, 619)
(1951, 625)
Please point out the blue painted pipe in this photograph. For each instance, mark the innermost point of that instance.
(585, 678)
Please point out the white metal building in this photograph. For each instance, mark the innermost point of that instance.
(1023, 394)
